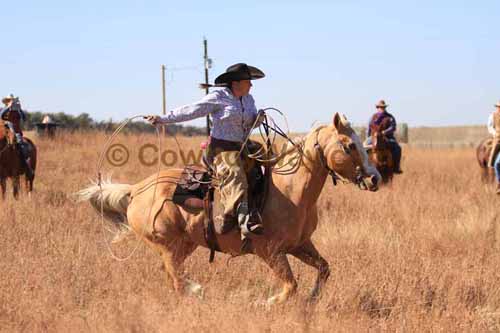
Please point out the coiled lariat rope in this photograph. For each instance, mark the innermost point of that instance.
(99, 183)
(271, 131)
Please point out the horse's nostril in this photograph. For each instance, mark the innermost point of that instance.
(374, 180)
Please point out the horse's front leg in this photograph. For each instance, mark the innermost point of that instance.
(15, 186)
(308, 254)
(28, 185)
(3, 186)
(281, 268)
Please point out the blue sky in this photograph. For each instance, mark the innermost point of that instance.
(435, 63)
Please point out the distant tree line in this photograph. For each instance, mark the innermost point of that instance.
(84, 122)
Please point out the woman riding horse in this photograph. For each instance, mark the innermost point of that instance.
(234, 114)
(290, 214)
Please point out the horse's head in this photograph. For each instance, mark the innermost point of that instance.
(345, 156)
(379, 140)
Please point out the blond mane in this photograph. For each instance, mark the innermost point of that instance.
(289, 155)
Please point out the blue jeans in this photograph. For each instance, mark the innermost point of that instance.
(19, 137)
(496, 166)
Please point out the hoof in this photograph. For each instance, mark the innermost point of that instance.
(121, 235)
(194, 289)
(314, 295)
(313, 299)
(274, 301)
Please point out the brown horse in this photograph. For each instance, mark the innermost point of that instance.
(10, 162)
(483, 151)
(290, 214)
(380, 153)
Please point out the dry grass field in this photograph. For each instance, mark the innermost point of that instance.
(420, 255)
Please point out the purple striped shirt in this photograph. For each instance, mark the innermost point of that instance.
(232, 117)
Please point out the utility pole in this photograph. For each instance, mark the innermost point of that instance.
(164, 108)
(208, 64)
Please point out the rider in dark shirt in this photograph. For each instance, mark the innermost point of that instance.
(388, 130)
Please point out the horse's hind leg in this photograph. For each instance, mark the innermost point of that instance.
(308, 254)
(174, 253)
(164, 232)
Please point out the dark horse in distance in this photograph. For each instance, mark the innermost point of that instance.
(10, 162)
(379, 153)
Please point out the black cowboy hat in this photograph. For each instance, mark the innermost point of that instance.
(238, 72)
(381, 104)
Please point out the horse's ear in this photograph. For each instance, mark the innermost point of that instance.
(337, 122)
(344, 121)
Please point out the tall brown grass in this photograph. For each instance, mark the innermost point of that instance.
(418, 255)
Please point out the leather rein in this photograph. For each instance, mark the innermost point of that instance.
(334, 175)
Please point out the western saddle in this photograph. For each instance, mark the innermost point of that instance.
(198, 190)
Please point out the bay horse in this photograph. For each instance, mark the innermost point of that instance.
(380, 154)
(483, 151)
(290, 214)
(10, 162)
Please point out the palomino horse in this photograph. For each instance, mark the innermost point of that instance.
(483, 151)
(290, 214)
(380, 154)
(10, 162)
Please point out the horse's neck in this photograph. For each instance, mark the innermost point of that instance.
(304, 186)
(3, 131)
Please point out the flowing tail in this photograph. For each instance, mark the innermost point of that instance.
(112, 201)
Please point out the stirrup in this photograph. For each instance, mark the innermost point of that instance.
(250, 224)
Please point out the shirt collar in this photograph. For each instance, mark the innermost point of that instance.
(229, 93)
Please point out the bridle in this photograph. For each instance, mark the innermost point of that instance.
(358, 179)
